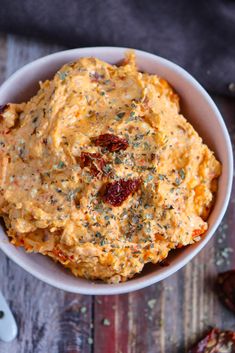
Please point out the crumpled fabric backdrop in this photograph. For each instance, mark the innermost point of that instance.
(198, 35)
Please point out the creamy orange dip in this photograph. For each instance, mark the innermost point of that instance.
(101, 171)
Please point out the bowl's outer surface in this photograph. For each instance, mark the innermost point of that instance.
(200, 111)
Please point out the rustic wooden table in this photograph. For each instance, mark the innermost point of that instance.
(164, 318)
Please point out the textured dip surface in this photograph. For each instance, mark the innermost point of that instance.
(101, 172)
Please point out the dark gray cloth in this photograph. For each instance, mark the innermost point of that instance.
(198, 35)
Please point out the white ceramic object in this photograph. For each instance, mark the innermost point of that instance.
(8, 328)
(199, 109)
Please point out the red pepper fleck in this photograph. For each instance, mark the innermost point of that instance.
(94, 161)
(216, 341)
(197, 232)
(117, 192)
(59, 253)
(111, 142)
(226, 288)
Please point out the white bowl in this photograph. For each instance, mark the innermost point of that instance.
(200, 110)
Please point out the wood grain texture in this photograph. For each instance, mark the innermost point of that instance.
(164, 318)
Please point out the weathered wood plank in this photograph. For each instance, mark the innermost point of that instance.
(111, 324)
(49, 319)
(225, 245)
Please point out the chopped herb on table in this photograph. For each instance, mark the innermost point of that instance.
(151, 303)
(106, 322)
(83, 310)
(90, 340)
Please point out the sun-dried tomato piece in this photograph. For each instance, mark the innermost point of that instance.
(111, 142)
(117, 192)
(3, 108)
(216, 341)
(226, 288)
(96, 163)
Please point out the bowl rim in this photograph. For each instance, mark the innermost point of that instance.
(149, 279)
